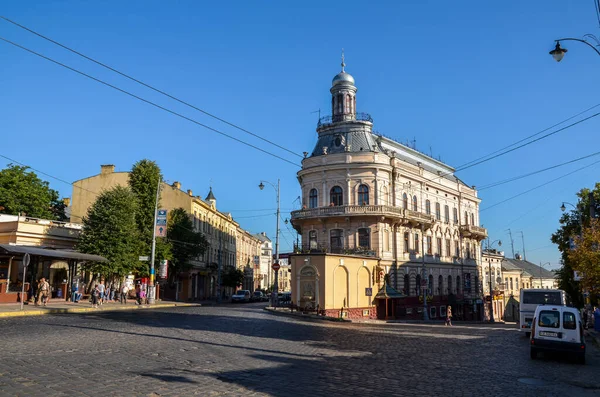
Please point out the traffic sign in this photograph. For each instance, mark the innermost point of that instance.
(161, 231)
(161, 222)
(161, 214)
(144, 258)
(276, 266)
(369, 291)
(256, 260)
(26, 259)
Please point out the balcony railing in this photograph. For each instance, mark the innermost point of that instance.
(329, 249)
(344, 117)
(361, 210)
(473, 231)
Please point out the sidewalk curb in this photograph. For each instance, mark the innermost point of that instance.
(309, 317)
(77, 310)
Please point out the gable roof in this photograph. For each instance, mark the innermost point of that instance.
(528, 267)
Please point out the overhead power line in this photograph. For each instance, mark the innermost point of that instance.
(147, 101)
(491, 185)
(539, 186)
(151, 87)
(526, 138)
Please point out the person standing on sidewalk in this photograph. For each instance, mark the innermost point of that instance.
(101, 289)
(95, 296)
(43, 292)
(124, 292)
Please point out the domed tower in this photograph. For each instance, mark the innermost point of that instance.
(343, 96)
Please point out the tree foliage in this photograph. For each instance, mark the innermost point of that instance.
(570, 228)
(585, 257)
(110, 230)
(21, 191)
(186, 244)
(232, 277)
(143, 182)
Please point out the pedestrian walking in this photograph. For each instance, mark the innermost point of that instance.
(138, 291)
(95, 296)
(124, 292)
(101, 290)
(112, 293)
(449, 316)
(142, 296)
(43, 292)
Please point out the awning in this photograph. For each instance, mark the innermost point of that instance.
(387, 292)
(51, 253)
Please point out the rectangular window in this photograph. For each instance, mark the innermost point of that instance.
(468, 252)
(406, 238)
(438, 214)
(455, 215)
(549, 319)
(312, 239)
(429, 246)
(439, 246)
(446, 214)
(456, 249)
(417, 243)
(336, 241)
(448, 251)
(363, 238)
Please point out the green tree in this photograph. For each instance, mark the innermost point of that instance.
(186, 244)
(109, 230)
(143, 182)
(585, 258)
(21, 191)
(570, 228)
(232, 277)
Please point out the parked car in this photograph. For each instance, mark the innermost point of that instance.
(242, 295)
(259, 296)
(557, 328)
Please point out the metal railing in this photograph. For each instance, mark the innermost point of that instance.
(344, 117)
(332, 249)
(356, 210)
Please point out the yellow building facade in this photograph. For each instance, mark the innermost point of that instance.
(229, 244)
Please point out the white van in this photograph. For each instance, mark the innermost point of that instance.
(557, 328)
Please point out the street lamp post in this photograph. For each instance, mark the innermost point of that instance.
(489, 246)
(275, 293)
(541, 283)
(558, 52)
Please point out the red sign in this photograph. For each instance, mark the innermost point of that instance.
(276, 266)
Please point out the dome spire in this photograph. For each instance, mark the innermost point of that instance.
(343, 63)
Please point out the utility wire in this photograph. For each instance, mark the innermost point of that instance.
(148, 102)
(491, 185)
(539, 186)
(149, 86)
(526, 138)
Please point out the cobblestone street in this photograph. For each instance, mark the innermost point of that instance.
(240, 350)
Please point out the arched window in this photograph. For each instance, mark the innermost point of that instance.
(406, 290)
(404, 201)
(313, 199)
(312, 239)
(415, 204)
(472, 219)
(418, 284)
(466, 218)
(450, 284)
(340, 104)
(458, 284)
(430, 284)
(337, 196)
(406, 242)
(417, 243)
(363, 195)
(447, 214)
(440, 287)
(438, 212)
(428, 207)
(364, 240)
(455, 215)
(347, 105)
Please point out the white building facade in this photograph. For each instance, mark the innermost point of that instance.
(364, 194)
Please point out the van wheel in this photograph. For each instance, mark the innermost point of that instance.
(527, 334)
(533, 354)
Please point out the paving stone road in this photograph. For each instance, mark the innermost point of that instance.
(239, 350)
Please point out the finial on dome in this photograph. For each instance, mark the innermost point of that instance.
(343, 63)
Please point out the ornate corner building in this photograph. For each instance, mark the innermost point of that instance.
(388, 209)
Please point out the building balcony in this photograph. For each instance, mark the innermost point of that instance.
(399, 214)
(328, 249)
(476, 232)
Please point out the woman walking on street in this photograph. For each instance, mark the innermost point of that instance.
(449, 316)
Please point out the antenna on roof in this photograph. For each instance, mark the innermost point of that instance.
(317, 111)
(430, 151)
(414, 143)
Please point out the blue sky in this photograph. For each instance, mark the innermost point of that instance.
(462, 78)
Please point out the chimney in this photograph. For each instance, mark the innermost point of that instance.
(177, 185)
(107, 169)
(66, 201)
(190, 192)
